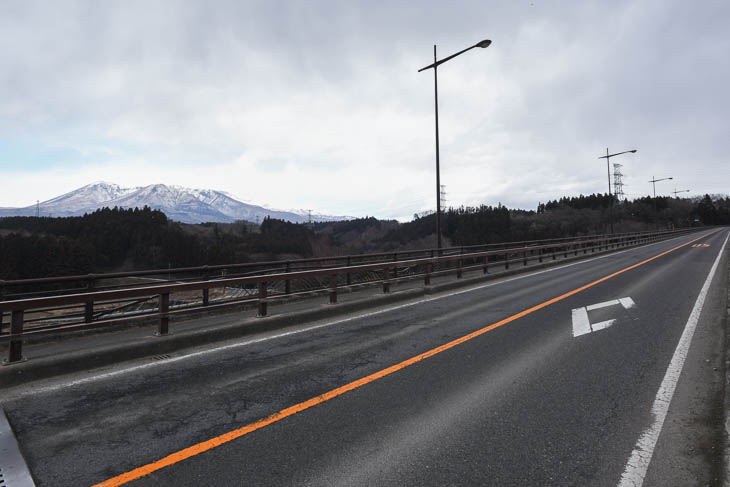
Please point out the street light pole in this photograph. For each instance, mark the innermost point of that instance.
(675, 192)
(608, 170)
(438, 169)
(483, 44)
(653, 183)
(610, 203)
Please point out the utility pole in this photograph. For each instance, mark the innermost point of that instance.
(37, 208)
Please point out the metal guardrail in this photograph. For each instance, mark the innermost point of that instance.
(258, 287)
(45, 286)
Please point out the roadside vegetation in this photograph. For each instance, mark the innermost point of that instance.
(133, 239)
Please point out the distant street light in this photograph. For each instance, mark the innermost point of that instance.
(483, 44)
(608, 170)
(653, 183)
(675, 192)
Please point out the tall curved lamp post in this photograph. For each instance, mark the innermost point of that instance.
(483, 44)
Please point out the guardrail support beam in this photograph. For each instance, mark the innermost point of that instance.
(348, 276)
(386, 282)
(262, 304)
(287, 283)
(89, 305)
(163, 327)
(88, 311)
(15, 347)
(333, 289)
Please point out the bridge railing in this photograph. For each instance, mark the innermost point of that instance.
(57, 285)
(50, 315)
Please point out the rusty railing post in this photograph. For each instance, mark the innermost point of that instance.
(459, 269)
(15, 347)
(164, 325)
(2, 296)
(524, 258)
(89, 304)
(485, 269)
(206, 291)
(539, 254)
(349, 277)
(262, 308)
(506, 260)
(386, 282)
(333, 288)
(287, 283)
(427, 274)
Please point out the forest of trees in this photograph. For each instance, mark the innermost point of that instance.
(125, 239)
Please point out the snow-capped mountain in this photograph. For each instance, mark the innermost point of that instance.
(178, 203)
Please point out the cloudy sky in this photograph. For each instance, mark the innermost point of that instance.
(318, 104)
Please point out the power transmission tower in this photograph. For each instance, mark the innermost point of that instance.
(618, 184)
(37, 208)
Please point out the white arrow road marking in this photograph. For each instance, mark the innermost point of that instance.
(582, 324)
(627, 302)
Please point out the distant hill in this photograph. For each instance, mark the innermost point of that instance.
(180, 204)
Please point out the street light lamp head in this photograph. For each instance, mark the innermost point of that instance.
(633, 151)
(484, 43)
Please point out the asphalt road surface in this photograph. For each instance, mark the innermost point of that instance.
(606, 371)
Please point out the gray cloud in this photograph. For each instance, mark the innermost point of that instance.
(325, 96)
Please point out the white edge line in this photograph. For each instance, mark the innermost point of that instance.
(51, 388)
(638, 463)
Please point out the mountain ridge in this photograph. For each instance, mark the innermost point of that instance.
(186, 205)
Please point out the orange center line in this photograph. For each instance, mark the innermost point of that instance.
(217, 441)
